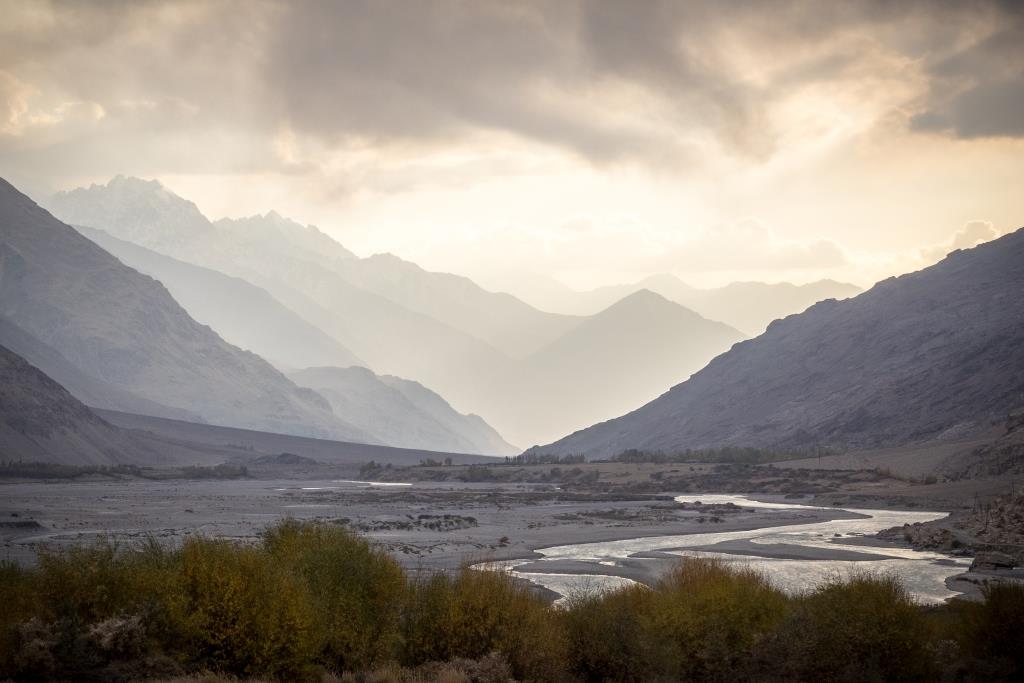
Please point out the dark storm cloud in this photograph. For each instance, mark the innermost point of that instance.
(646, 82)
(389, 70)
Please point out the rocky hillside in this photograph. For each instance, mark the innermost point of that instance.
(125, 329)
(932, 353)
(1002, 457)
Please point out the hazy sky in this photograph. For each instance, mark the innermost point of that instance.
(595, 142)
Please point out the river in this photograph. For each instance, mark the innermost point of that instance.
(797, 557)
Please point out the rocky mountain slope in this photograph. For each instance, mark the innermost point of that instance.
(400, 412)
(124, 328)
(935, 353)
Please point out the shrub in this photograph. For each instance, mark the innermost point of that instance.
(310, 597)
(707, 619)
(475, 613)
(991, 633)
(864, 628)
(606, 634)
(234, 609)
(356, 589)
(19, 605)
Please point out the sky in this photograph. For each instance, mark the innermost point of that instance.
(590, 143)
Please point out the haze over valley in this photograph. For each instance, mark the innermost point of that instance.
(300, 299)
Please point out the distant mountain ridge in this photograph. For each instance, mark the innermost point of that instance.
(251, 318)
(628, 353)
(747, 306)
(915, 357)
(41, 422)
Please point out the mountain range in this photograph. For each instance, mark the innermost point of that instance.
(531, 374)
(934, 354)
(487, 353)
(149, 307)
(621, 357)
(118, 339)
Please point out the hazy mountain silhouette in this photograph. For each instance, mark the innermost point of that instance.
(241, 313)
(752, 306)
(40, 421)
(501, 320)
(123, 327)
(401, 412)
(627, 354)
(747, 306)
(532, 375)
(276, 254)
(939, 350)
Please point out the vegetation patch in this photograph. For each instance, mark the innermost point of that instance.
(318, 602)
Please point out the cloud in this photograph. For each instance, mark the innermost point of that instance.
(750, 245)
(973, 234)
(659, 84)
(970, 235)
(978, 90)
